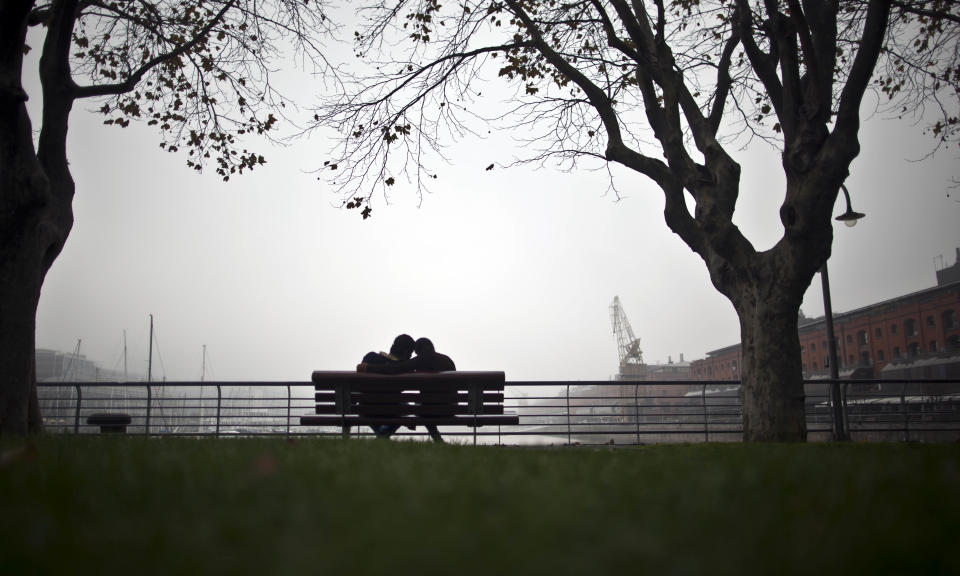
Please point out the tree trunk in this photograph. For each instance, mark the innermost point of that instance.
(23, 189)
(771, 375)
(19, 297)
(36, 195)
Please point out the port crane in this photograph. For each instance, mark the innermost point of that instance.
(628, 345)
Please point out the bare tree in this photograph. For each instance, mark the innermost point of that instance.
(196, 69)
(662, 88)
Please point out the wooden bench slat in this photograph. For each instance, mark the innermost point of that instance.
(357, 420)
(445, 397)
(322, 377)
(387, 387)
(388, 409)
(425, 398)
(421, 410)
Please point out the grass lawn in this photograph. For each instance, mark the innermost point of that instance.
(92, 504)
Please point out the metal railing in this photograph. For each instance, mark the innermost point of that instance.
(551, 412)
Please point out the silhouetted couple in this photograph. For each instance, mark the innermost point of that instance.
(399, 361)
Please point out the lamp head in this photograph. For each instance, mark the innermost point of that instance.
(849, 217)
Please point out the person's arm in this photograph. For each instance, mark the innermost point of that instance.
(400, 367)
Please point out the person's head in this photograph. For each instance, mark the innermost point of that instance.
(402, 347)
(423, 346)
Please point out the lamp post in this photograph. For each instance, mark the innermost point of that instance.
(839, 429)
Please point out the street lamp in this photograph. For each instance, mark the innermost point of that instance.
(849, 217)
(839, 430)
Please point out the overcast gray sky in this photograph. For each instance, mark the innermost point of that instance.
(277, 281)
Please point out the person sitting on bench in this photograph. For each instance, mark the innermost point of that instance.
(400, 350)
(427, 359)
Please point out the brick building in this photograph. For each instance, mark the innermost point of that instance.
(722, 364)
(911, 336)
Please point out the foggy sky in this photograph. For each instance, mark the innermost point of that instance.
(508, 270)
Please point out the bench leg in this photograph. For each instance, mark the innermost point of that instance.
(435, 434)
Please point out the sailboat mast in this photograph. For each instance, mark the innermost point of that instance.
(203, 366)
(69, 373)
(125, 376)
(150, 357)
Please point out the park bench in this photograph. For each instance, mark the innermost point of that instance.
(348, 399)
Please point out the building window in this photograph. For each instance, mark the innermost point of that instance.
(803, 351)
(953, 342)
(893, 328)
(913, 350)
(950, 320)
(804, 366)
(814, 364)
(878, 333)
(896, 351)
(910, 327)
(933, 346)
(880, 356)
(862, 337)
(849, 339)
(852, 360)
(930, 321)
(864, 358)
(813, 346)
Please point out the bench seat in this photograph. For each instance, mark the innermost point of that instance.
(470, 398)
(463, 420)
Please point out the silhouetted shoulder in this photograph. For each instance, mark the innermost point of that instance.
(376, 358)
(444, 363)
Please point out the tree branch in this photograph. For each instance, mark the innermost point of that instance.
(616, 149)
(131, 82)
(803, 33)
(871, 43)
(764, 64)
(786, 46)
(459, 56)
(723, 77)
(933, 14)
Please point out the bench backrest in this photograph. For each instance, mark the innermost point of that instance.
(419, 393)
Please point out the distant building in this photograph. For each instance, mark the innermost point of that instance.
(56, 366)
(671, 371)
(950, 274)
(650, 382)
(890, 338)
(912, 336)
(722, 364)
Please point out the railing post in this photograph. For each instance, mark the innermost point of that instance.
(843, 409)
(288, 410)
(906, 413)
(146, 428)
(706, 419)
(76, 415)
(568, 415)
(219, 396)
(636, 409)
